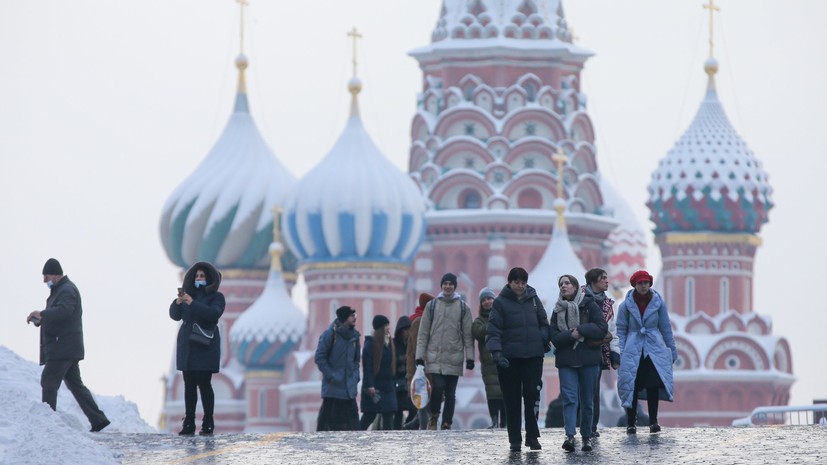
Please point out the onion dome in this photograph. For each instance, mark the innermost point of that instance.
(222, 212)
(627, 243)
(558, 259)
(355, 206)
(710, 180)
(273, 326)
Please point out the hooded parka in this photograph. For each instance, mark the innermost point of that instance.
(206, 309)
(338, 357)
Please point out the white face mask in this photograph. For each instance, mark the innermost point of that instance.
(200, 283)
(49, 284)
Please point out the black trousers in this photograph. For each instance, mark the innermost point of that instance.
(368, 417)
(195, 381)
(57, 371)
(443, 386)
(596, 402)
(522, 379)
(496, 408)
(338, 415)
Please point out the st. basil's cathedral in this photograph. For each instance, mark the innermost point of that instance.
(503, 171)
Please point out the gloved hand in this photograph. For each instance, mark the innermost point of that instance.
(420, 362)
(501, 361)
(469, 364)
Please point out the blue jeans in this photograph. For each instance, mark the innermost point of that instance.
(577, 387)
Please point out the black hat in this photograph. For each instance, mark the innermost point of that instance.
(52, 266)
(342, 313)
(380, 321)
(449, 277)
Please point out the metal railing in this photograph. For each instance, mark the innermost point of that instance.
(785, 415)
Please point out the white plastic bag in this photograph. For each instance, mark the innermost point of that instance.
(420, 388)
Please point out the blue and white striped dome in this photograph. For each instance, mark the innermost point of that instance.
(355, 205)
(222, 213)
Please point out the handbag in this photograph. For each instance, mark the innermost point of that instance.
(599, 342)
(201, 336)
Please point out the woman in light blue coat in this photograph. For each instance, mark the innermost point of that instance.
(647, 351)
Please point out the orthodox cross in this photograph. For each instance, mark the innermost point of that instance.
(356, 36)
(712, 9)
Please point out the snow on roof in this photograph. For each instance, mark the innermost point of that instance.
(222, 210)
(558, 259)
(355, 205)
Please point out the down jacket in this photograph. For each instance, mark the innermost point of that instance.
(445, 343)
(337, 357)
(383, 382)
(61, 327)
(487, 365)
(206, 308)
(518, 326)
(649, 336)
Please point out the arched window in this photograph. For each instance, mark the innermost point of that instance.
(470, 199)
(690, 296)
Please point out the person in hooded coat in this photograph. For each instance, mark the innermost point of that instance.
(379, 370)
(493, 393)
(198, 306)
(403, 399)
(647, 351)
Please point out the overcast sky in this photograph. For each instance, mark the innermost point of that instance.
(105, 107)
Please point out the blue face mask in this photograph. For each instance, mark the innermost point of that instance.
(49, 284)
(200, 283)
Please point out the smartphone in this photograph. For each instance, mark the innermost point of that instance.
(180, 291)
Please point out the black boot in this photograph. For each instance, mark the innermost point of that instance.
(188, 428)
(207, 426)
(631, 415)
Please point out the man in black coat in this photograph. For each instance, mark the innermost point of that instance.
(61, 343)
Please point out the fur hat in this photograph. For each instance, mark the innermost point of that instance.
(449, 277)
(343, 313)
(487, 292)
(424, 298)
(52, 266)
(380, 321)
(641, 275)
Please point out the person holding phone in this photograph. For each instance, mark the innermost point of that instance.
(198, 306)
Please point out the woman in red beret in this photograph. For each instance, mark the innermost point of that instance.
(647, 351)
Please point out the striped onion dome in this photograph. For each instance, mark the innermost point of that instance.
(222, 213)
(355, 206)
(273, 326)
(710, 180)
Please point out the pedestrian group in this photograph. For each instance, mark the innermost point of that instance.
(512, 329)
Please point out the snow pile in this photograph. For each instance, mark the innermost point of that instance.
(31, 433)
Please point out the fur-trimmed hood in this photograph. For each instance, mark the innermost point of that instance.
(213, 278)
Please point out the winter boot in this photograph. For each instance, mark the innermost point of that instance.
(654, 428)
(188, 428)
(533, 444)
(207, 426)
(631, 415)
(493, 423)
(587, 445)
(568, 444)
(446, 425)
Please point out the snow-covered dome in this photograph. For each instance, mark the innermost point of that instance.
(270, 329)
(627, 243)
(558, 259)
(710, 180)
(355, 205)
(222, 213)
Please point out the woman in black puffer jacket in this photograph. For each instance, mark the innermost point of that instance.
(517, 339)
(198, 303)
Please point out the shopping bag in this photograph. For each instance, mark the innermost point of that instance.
(420, 388)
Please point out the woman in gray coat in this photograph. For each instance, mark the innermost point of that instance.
(647, 351)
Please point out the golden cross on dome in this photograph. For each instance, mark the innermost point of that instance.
(241, 5)
(712, 9)
(356, 36)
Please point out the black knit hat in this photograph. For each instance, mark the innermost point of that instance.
(380, 321)
(52, 266)
(449, 277)
(342, 313)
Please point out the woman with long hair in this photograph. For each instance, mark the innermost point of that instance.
(378, 370)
